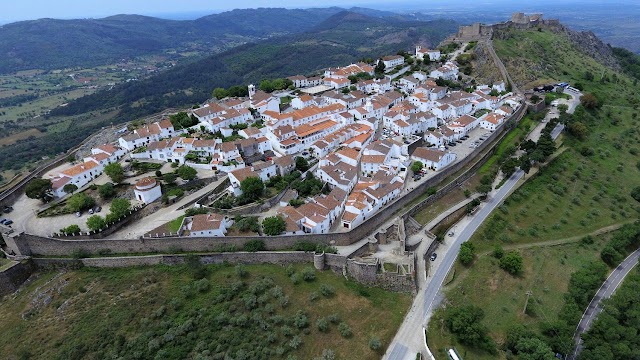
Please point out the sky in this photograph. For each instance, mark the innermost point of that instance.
(13, 10)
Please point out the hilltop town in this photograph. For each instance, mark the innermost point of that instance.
(356, 130)
(346, 142)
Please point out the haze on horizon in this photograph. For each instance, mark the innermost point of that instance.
(73, 9)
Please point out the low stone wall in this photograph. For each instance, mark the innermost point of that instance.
(32, 245)
(276, 258)
(12, 277)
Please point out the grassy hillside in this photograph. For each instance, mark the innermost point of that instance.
(257, 312)
(586, 188)
(346, 37)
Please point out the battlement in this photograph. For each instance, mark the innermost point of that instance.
(519, 20)
(522, 18)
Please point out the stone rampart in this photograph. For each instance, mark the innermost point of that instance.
(12, 277)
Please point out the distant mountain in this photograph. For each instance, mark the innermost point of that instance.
(343, 38)
(339, 40)
(52, 44)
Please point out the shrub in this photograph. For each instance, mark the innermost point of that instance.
(300, 320)
(327, 290)
(375, 344)
(498, 252)
(322, 324)
(202, 285)
(345, 330)
(334, 318)
(241, 271)
(309, 274)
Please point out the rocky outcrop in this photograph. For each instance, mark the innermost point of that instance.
(591, 45)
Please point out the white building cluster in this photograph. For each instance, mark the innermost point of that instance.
(357, 128)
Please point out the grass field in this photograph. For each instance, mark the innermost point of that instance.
(163, 312)
(584, 189)
(502, 296)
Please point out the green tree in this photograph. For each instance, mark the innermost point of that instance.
(267, 86)
(465, 323)
(69, 188)
(96, 222)
(115, 172)
(39, 189)
(379, 69)
(71, 229)
(578, 129)
(120, 207)
(220, 93)
(589, 101)
(169, 178)
(302, 164)
(524, 163)
(512, 263)
(467, 252)
(534, 349)
(80, 201)
(106, 191)
(273, 225)
(252, 187)
(417, 166)
(187, 172)
(563, 108)
(483, 189)
(509, 167)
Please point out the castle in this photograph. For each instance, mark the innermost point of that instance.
(480, 31)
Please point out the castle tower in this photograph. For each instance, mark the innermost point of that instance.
(252, 91)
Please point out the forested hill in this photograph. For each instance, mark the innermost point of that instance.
(52, 44)
(341, 39)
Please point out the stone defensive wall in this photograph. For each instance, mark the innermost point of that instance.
(32, 245)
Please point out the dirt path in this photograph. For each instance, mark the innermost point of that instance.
(569, 240)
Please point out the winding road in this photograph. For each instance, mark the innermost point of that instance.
(606, 290)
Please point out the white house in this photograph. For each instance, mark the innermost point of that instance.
(392, 61)
(432, 55)
(491, 121)
(147, 190)
(433, 158)
(205, 225)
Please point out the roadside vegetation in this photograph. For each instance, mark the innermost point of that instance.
(532, 295)
(199, 312)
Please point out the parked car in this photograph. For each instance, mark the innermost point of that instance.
(78, 214)
(97, 209)
(8, 222)
(90, 211)
(433, 257)
(7, 209)
(451, 233)
(3, 220)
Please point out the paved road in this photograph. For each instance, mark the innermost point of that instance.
(409, 339)
(606, 290)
